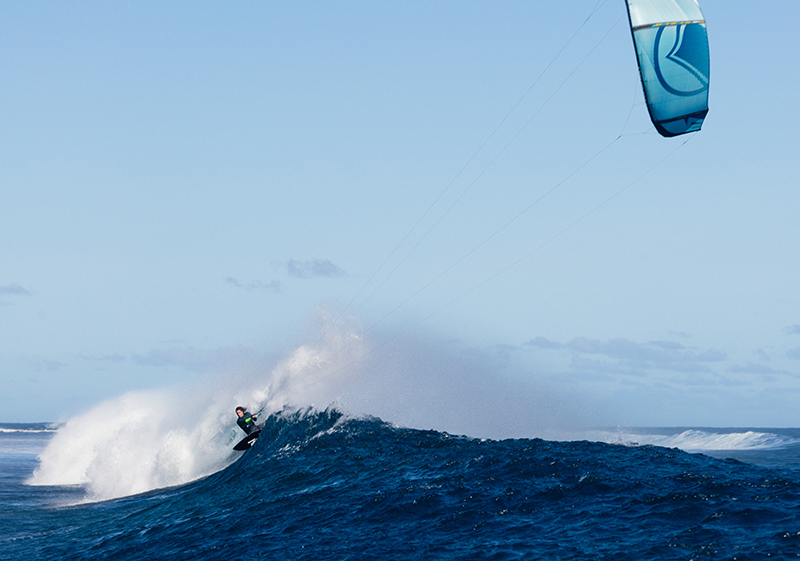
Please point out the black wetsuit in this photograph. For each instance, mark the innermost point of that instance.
(247, 422)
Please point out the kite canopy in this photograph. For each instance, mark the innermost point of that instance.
(672, 47)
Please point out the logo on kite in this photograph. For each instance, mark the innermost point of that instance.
(683, 45)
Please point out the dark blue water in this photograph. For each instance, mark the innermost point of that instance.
(321, 486)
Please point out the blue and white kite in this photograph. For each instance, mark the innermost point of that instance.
(672, 47)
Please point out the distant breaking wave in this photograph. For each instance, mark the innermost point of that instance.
(696, 440)
(36, 429)
(749, 440)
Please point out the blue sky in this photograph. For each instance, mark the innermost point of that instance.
(188, 187)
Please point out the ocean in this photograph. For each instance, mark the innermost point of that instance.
(325, 485)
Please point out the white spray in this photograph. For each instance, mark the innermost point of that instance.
(160, 438)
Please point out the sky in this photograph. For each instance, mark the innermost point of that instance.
(473, 190)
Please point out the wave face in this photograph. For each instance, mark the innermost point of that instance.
(322, 485)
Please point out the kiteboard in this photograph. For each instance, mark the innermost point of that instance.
(247, 441)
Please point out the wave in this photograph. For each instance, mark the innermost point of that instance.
(27, 431)
(28, 428)
(698, 440)
(159, 438)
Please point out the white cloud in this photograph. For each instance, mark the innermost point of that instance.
(313, 268)
(625, 356)
(543, 343)
(754, 368)
(14, 290)
(272, 286)
(762, 355)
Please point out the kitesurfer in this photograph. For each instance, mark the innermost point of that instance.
(246, 422)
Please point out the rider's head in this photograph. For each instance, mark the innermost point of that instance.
(240, 411)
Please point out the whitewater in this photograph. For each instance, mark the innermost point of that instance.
(152, 475)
